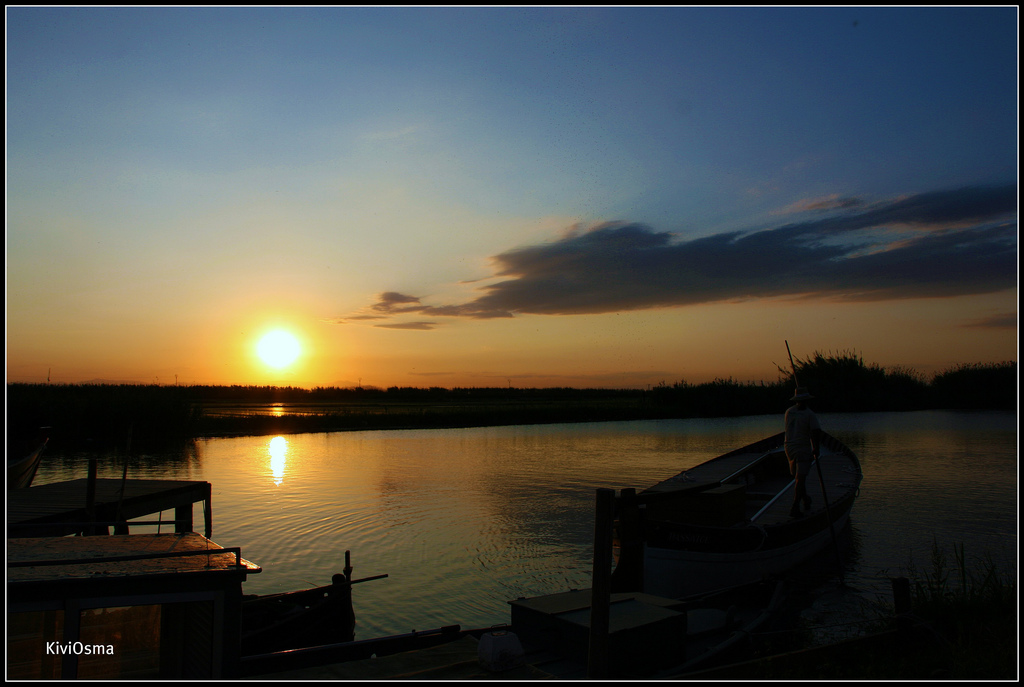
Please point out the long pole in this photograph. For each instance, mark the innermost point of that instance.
(791, 365)
(821, 481)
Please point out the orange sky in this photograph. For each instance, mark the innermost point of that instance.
(744, 341)
(443, 198)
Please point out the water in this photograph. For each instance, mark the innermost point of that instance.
(464, 520)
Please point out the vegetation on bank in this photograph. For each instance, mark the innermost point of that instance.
(962, 625)
(843, 382)
(151, 413)
(971, 611)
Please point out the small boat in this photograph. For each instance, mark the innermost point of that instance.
(292, 620)
(300, 619)
(334, 661)
(727, 521)
(648, 637)
(722, 624)
(21, 470)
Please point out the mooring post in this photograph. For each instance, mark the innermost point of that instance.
(183, 518)
(600, 593)
(90, 498)
(208, 510)
(347, 572)
(629, 573)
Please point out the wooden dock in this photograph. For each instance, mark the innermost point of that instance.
(63, 508)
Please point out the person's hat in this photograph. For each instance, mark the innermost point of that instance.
(802, 394)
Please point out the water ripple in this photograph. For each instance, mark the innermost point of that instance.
(462, 521)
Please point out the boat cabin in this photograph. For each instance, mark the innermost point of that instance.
(141, 606)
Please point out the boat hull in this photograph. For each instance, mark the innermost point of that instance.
(727, 522)
(553, 636)
(295, 620)
(675, 572)
(22, 471)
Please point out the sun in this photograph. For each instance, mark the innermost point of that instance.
(278, 348)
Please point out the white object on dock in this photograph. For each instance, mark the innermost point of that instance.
(499, 651)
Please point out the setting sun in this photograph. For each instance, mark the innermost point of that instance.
(278, 349)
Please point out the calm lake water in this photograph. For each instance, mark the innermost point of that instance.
(464, 520)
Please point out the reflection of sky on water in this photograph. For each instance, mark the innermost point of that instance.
(278, 448)
(464, 520)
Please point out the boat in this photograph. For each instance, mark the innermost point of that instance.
(304, 618)
(723, 623)
(291, 620)
(648, 637)
(727, 521)
(21, 470)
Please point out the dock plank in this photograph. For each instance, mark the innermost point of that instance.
(35, 559)
(60, 508)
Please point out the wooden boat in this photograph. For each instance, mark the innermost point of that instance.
(291, 620)
(727, 521)
(21, 470)
(649, 637)
(304, 618)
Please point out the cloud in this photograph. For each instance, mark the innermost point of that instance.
(424, 326)
(937, 244)
(1001, 321)
(391, 302)
(833, 202)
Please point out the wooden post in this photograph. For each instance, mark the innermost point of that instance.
(629, 573)
(600, 593)
(90, 499)
(72, 627)
(183, 518)
(208, 510)
(347, 571)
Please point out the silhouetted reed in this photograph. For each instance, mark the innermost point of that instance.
(965, 615)
(149, 414)
(961, 625)
(843, 382)
(102, 414)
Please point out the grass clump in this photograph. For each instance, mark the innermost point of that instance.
(961, 625)
(972, 613)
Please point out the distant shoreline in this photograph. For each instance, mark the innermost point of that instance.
(152, 414)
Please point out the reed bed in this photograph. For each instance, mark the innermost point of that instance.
(150, 414)
(970, 610)
(962, 625)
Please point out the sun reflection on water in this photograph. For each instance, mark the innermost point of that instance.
(278, 449)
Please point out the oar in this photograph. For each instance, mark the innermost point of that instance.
(821, 481)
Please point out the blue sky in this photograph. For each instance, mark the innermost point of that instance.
(180, 179)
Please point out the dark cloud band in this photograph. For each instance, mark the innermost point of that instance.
(936, 244)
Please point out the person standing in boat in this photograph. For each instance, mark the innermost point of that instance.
(803, 446)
